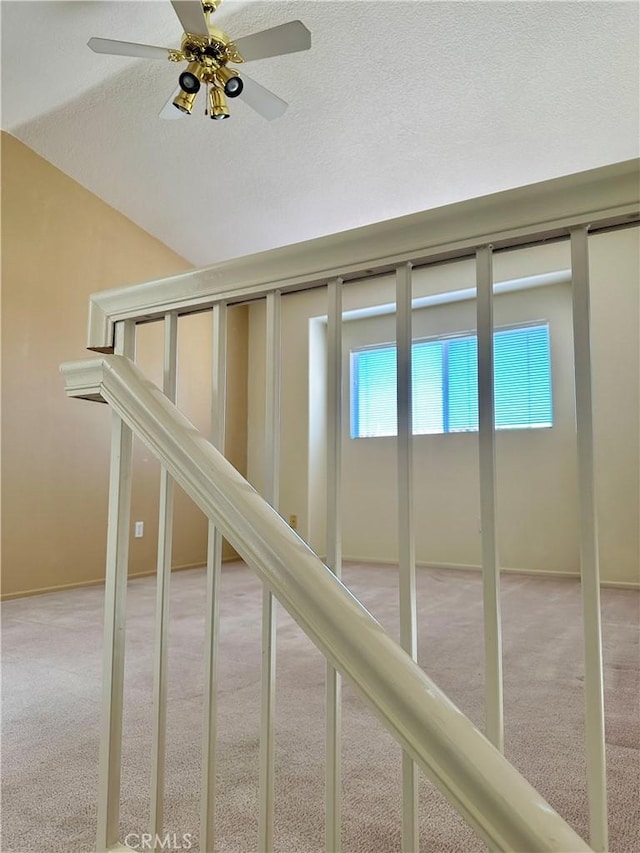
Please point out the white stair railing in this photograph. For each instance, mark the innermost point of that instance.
(496, 801)
(572, 209)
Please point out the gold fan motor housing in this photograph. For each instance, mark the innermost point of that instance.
(218, 46)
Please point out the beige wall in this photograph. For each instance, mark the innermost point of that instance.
(531, 465)
(537, 476)
(194, 399)
(59, 244)
(615, 306)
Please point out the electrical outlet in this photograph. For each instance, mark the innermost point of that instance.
(139, 529)
(293, 522)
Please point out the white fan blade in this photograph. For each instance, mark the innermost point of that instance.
(169, 111)
(287, 38)
(261, 100)
(191, 15)
(128, 48)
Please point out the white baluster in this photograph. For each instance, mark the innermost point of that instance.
(589, 562)
(163, 584)
(334, 558)
(406, 536)
(487, 457)
(271, 494)
(214, 569)
(117, 567)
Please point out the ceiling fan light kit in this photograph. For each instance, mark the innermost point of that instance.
(232, 81)
(208, 50)
(190, 79)
(184, 101)
(217, 104)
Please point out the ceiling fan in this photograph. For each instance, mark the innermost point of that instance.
(208, 52)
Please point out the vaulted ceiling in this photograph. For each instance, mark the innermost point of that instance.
(398, 107)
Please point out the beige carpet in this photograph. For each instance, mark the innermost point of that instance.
(51, 695)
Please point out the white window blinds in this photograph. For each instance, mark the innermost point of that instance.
(445, 384)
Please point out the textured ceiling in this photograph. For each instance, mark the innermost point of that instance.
(398, 107)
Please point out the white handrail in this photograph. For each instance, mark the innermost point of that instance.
(497, 802)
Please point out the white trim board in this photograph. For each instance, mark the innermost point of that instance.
(598, 198)
(543, 280)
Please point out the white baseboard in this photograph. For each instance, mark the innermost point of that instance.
(457, 567)
(620, 584)
(471, 567)
(93, 582)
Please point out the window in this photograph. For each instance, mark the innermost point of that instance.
(445, 384)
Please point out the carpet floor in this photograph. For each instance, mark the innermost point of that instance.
(51, 671)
